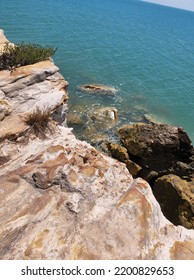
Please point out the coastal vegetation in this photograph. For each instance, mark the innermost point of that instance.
(38, 121)
(22, 54)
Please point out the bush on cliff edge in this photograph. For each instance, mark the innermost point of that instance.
(22, 54)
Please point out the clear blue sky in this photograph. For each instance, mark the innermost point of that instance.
(182, 4)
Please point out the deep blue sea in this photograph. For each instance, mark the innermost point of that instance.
(146, 51)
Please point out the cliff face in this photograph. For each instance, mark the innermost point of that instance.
(62, 199)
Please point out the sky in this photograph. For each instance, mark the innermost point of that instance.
(181, 4)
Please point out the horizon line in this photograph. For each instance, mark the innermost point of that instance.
(187, 5)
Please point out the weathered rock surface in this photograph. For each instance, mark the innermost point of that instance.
(3, 40)
(62, 199)
(160, 150)
(176, 197)
(98, 89)
(159, 147)
(28, 88)
(120, 153)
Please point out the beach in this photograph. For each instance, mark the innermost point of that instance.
(185, 5)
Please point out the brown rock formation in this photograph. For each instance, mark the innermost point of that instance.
(161, 149)
(121, 154)
(176, 197)
(158, 147)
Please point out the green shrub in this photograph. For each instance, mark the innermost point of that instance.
(22, 54)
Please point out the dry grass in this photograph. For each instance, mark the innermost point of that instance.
(39, 122)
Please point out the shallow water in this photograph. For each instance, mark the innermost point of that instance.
(146, 51)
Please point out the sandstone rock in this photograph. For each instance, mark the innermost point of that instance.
(5, 109)
(121, 154)
(12, 127)
(31, 86)
(3, 40)
(158, 147)
(98, 89)
(26, 89)
(176, 197)
(91, 207)
(133, 168)
(118, 152)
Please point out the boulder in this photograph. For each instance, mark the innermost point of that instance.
(176, 197)
(98, 89)
(158, 147)
(120, 153)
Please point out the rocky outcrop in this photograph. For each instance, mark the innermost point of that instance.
(98, 89)
(27, 88)
(62, 199)
(120, 153)
(163, 156)
(176, 197)
(158, 147)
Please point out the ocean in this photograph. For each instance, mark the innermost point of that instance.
(146, 51)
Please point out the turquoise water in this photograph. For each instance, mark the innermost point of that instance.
(144, 50)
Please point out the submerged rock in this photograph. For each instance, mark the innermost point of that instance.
(74, 119)
(103, 118)
(98, 89)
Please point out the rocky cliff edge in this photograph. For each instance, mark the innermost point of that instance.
(62, 199)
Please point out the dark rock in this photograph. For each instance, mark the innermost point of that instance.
(158, 147)
(176, 199)
(120, 153)
(133, 168)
